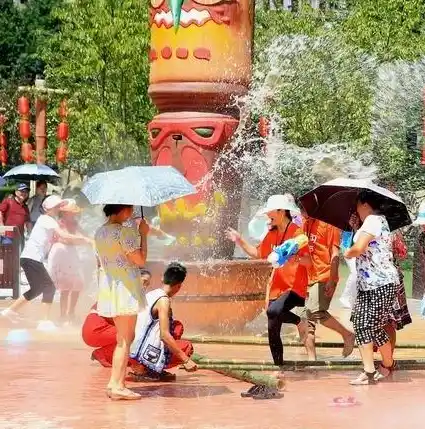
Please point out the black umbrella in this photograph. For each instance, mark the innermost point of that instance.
(335, 201)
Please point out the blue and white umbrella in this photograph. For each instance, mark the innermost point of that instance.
(138, 186)
(31, 172)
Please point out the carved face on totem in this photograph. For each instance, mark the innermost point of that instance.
(201, 40)
(191, 142)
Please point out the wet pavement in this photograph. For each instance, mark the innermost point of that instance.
(50, 383)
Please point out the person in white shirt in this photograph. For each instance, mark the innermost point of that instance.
(377, 280)
(34, 254)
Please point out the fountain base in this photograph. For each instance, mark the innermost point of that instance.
(219, 296)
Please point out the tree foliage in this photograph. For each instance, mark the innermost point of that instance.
(100, 57)
(388, 29)
(318, 87)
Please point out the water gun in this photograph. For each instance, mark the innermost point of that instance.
(282, 253)
(346, 240)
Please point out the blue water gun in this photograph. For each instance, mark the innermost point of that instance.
(346, 240)
(282, 253)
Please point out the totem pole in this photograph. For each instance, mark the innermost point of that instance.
(200, 60)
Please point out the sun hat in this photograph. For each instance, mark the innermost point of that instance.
(70, 206)
(279, 202)
(52, 201)
(420, 220)
(23, 187)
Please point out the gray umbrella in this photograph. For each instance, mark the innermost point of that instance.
(335, 201)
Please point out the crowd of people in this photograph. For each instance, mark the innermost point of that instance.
(129, 327)
(375, 290)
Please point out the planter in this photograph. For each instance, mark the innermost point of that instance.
(219, 296)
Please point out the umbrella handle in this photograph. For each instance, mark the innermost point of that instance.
(141, 210)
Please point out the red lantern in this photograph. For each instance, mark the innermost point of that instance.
(61, 153)
(27, 152)
(3, 156)
(23, 106)
(264, 127)
(3, 140)
(423, 156)
(63, 110)
(24, 129)
(63, 131)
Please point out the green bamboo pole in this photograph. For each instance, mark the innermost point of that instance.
(196, 339)
(252, 377)
(243, 365)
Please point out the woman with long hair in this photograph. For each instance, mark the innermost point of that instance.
(377, 281)
(121, 253)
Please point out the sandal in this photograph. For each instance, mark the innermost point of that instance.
(122, 394)
(364, 379)
(251, 391)
(267, 393)
(384, 371)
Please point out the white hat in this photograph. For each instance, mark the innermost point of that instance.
(279, 202)
(52, 202)
(420, 220)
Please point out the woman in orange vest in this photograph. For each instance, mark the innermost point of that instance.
(287, 287)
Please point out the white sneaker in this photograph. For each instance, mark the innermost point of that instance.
(11, 315)
(46, 326)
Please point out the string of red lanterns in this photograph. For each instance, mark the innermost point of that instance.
(27, 151)
(3, 138)
(62, 134)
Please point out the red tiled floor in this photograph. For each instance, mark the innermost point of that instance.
(51, 384)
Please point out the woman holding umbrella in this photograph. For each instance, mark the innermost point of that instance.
(121, 253)
(377, 278)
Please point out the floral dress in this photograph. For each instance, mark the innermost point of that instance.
(120, 285)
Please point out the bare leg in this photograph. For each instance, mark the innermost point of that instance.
(64, 298)
(392, 333)
(347, 336)
(310, 342)
(73, 304)
(387, 354)
(18, 304)
(125, 334)
(47, 307)
(366, 350)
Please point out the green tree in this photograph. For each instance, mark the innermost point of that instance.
(100, 57)
(398, 117)
(388, 29)
(318, 88)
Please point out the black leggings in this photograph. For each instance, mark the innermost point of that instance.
(279, 312)
(39, 281)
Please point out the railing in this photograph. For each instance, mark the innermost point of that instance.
(9, 261)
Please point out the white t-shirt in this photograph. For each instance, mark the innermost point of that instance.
(375, 267)
(41, 239)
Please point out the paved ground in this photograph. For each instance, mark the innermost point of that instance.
(50, 383)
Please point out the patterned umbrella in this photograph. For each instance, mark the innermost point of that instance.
(32, 172)
(335, 201)
(139, 186)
